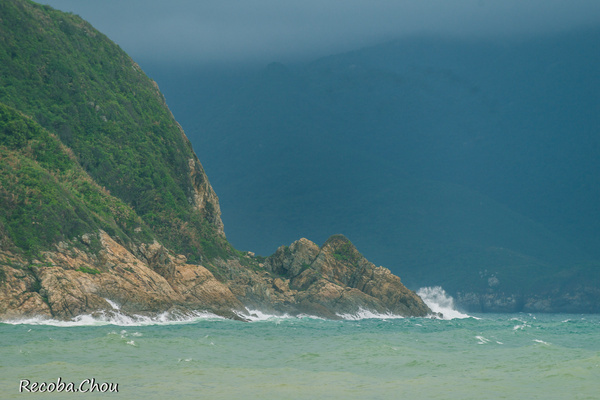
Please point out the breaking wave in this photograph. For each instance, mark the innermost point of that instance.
(439, 301)
(252, 315)
(368, 314)
(257, 315)
(118, 318)
(435, 297)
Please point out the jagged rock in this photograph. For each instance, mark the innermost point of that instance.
(19, 293)
(85, 238)
(372, 288)
(180, 259)
(291, 261)
(74, 282)
(302, 278)
(199, 288)
(280, 285)
(158, 258)
(328, 281)
(204, 197)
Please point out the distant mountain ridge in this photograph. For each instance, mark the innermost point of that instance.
(471, 165)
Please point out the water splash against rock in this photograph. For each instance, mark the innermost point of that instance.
(440, 302)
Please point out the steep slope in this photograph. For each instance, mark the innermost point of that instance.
(76, 83)
(104, 204)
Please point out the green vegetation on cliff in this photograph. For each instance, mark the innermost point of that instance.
(98, 110)
(46, 196)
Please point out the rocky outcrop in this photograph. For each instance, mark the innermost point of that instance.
(326, 281)
(93, 273)
(19, 290)
(78, 279)
(204, 197)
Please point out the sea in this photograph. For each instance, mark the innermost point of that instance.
(362, 356)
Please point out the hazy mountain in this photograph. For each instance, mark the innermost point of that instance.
(451, 162)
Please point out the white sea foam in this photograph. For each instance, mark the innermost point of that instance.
(309, 316)
(435, 297)
(258, 315)
(482, 340)
(114, 305)
(368, 314)
(541, 341)
(521, 326)
(118, 318)
(253, 315)
(440, 302)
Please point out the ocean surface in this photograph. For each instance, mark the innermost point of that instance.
(364, 356)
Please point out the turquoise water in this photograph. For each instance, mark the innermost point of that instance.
(512, 356)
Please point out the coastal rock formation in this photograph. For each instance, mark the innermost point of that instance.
(19, 291)
(328, 281)
(75, 280)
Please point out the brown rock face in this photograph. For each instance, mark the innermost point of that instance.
(74, 281)
(18, 295)
(204, 197)
(90, 273)
(337, 279)
(199, 290)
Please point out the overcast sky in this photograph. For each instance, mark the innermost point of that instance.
(209, 31)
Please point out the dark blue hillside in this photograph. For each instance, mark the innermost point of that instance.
(447, 161)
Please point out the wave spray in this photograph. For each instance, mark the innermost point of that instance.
(439, 301)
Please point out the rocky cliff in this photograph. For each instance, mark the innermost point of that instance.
(105, 206)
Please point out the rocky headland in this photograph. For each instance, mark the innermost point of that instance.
(93, 274)
(105, 206)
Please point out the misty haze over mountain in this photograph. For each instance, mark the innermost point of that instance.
(263, 31)
(422, 151)
(454, 144)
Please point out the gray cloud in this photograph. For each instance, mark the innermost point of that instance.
(267, 30)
